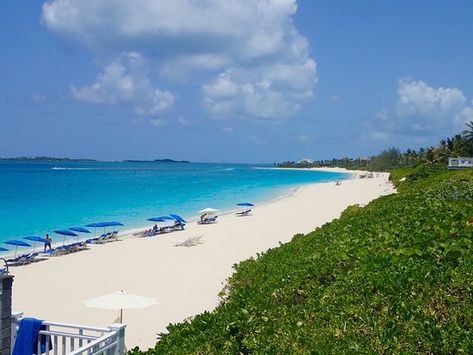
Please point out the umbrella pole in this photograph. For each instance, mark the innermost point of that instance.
(121, 315)
(16, 248)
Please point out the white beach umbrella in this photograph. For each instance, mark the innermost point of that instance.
(209, 210)
(120, 300)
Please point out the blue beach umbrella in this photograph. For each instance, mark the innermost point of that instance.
(96, 224)
(178, 218)
(104, 225)
(17, 243)
(158, 219)
(35, 239)
(65, 232)
(165, 218)
(3, 249)
(79, 229)
(245, 204)
(114, 224)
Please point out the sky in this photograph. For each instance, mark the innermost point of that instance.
(244, 81)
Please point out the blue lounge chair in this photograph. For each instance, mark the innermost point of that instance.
(21, 260)
(178, 226)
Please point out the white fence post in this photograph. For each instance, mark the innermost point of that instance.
(120, 330)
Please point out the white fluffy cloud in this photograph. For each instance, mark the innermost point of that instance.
(422, 111)
(269, 91)
(432, 105)
(125, 81)
(260, 63)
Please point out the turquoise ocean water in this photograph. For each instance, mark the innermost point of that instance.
(39, 197)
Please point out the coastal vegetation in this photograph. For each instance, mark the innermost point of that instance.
(394, 276)
(460, 145)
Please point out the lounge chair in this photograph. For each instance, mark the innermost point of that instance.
(147, 233)
(113, 237)
(92, 240)
(179, 226)
(208, 220)
(102, 239)
(22, 260)
(244, 213)
(55, 252)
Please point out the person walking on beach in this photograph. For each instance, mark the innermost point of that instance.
(47, 242)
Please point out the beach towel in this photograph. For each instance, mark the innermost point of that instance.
(26, 342)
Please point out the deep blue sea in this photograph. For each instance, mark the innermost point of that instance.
(39, 197)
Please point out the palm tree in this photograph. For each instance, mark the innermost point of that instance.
(461, 146)
(468, 133)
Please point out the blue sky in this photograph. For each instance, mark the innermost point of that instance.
(234, 81)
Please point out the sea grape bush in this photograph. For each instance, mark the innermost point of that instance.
(395, 276)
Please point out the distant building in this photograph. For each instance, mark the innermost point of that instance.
(365, 158)
(305, 161)
(460, 163)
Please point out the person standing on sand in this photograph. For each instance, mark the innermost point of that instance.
(47, 243)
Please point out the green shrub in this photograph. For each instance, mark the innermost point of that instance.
(395, 276)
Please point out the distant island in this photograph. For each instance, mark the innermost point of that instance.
(40, 158)
(157, 161)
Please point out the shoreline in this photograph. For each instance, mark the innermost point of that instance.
(184, 280)
(137, 221)
(131, 231)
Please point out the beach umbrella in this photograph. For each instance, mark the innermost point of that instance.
(120, 300)
(209, 210)
(166, 218)
(245, 204)
(178, 218)
(104, 225)
(17, 243)
(35, 238)
(3, 249)
(113, 224)
(157, 219)
(96, 224)
(79, 229)
(65, 232)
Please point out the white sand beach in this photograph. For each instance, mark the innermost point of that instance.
(184, 280)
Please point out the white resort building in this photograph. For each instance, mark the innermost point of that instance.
(460, 163)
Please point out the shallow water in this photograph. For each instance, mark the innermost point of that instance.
(38, 197)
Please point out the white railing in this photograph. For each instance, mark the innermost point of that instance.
(73, 339)
(456, 163)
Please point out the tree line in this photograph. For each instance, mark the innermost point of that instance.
(460, 145)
